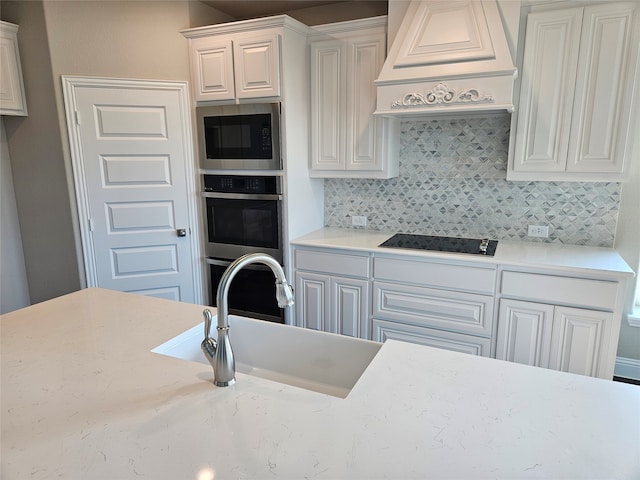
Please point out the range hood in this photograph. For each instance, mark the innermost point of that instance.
(447, 57)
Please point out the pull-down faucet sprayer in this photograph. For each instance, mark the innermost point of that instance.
(219, 353)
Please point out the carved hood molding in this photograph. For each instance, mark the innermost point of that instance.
(448, 56)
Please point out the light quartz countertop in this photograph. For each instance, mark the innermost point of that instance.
(84, 398)
(581, 260)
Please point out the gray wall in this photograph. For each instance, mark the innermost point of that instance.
(39, 174)
(14, 290)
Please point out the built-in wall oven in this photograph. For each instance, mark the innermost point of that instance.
(243, 214)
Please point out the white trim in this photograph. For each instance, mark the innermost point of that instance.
(627, 368)
(69, 85)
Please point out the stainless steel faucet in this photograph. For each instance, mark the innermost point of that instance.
(219, 353)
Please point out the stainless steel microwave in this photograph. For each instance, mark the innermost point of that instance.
(239, 137)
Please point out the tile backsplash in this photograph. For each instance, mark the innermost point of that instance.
(452, 182)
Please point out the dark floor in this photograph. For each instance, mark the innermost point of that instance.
(626, 380)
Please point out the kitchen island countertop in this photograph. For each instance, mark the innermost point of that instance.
(83, 397)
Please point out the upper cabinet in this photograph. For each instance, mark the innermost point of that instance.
(12, 98)
(235, 61)
(347, 140)
(578, 86)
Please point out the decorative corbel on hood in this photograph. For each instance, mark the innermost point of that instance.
(448, 56)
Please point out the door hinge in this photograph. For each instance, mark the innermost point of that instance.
(77, 116)
(90, 224)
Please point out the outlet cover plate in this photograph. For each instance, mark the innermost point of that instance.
(540, 231)
(358, 220)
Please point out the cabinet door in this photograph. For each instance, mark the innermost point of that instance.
(551, 49)
(350, 307)
(365, 57)
(577, 339)
(602, 104)
(313, 301)
(12, 98)
(257, 66)
(328, 65)
(212, 69)
(383, 330)
(347, 140)
(524, 332)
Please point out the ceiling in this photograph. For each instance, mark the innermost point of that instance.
(243, 9)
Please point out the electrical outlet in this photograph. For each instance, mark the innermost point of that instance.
(541, 231)
(358, 220)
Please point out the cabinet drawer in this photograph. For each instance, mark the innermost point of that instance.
(332, 263)
(437, 275)
(560, 290)
(383, 330)
(461, 312)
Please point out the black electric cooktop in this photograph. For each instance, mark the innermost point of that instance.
(472, 246)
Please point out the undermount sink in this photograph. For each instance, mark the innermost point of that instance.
(309, 359)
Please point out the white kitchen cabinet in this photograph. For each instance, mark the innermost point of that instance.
(384, 330)
(578, 337)
(257, 66)
(12, 97)
(332, 292)
(578, 87)
(558, 322)
(212, 69)
(240, 67)
(560, 338)
(313, 300)
(450, 310)
(347, 140)
(437, 304)
(238, 61)
(546, 305)
(350, 304)
(524, 332)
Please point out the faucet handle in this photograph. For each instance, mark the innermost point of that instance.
(208, 319)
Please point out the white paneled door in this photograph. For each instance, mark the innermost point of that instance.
(134, 179)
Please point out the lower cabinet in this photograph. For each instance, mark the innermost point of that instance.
(332, 292)
(436, 304)
(535, 317)
(577, 340)
(332, 304)
(561, 338)
(524, 332)
(545, 333)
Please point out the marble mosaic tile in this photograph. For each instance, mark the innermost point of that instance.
(453, 182)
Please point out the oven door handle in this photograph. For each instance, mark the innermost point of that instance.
(220, 263)
(242, 196)
(226, 263)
